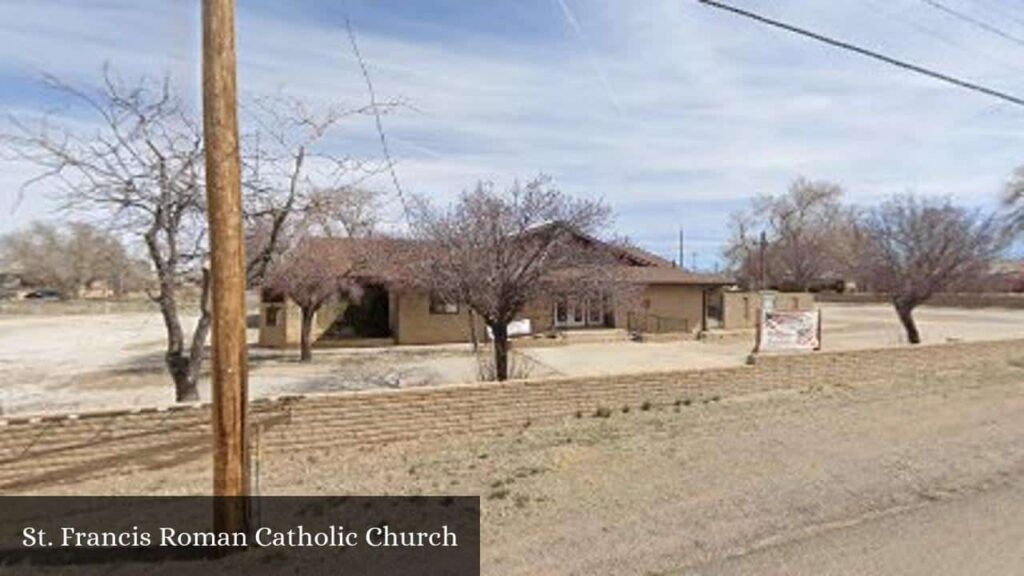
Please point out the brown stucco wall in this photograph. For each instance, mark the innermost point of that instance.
(412, 322)
(739, 309)
(288, 330)
(680, 307)
(416, 325)
(38, 451)
(541, 316)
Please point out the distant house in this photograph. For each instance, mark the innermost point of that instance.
(670, 300)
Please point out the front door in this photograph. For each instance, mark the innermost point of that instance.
(570, 314)
(576, 313)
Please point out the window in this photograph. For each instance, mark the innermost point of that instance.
(270, 315)
(439, 305)
(595, 312)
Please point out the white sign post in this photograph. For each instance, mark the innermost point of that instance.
(790, 331)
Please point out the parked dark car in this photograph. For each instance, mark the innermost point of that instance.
(43, 294)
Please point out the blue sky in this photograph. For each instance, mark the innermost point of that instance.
(672, 112)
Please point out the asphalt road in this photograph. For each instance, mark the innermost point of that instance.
(978, 534)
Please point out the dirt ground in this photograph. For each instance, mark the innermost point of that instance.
(903, 476)
(64, 362)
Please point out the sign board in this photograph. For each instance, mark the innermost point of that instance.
(790, 331)
(515, 328)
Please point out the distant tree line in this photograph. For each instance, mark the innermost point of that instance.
(908, 247)
(72, 259)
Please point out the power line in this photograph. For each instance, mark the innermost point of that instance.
(378, 123)
(1003, 11)
(884, 10)
(973, 21)
(865, 52)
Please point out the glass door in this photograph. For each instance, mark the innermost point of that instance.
(595, 312)
(570, 313)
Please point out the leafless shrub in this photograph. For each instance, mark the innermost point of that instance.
(519, 367)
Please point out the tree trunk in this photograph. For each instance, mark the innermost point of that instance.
(500, 351)
(185, 389)
(200, 334)
(185, 369)
(174, 357)
(306, 339)
(906, 313)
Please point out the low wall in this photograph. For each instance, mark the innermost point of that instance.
(953, 300)
(740, 309)
(35, 452)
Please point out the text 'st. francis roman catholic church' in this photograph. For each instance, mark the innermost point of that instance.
(298, 537)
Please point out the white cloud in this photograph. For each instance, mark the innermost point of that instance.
(708, 109)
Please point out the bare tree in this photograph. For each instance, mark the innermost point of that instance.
(495, 251)
(346, 212)
(140, 167)
(295, 184)
(1013, 201)
(742, 249)
(800, 228)
(70, 258)
(312, 273)
(912, 248)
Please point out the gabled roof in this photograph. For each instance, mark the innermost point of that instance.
(672, 275)
(646, 267)
(388, 259)
(379, 258)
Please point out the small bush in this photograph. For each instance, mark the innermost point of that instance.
(645, 406)
(602, 412)
(625, 409)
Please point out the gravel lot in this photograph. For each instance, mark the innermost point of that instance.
(67, 362)
(910, 477)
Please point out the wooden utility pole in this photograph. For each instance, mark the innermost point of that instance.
(227, 261)
(682, 258)
(762, 270)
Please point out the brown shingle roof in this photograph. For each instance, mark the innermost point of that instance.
(644, 257)
(673, 275)
(380, 258)
(389, 259)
